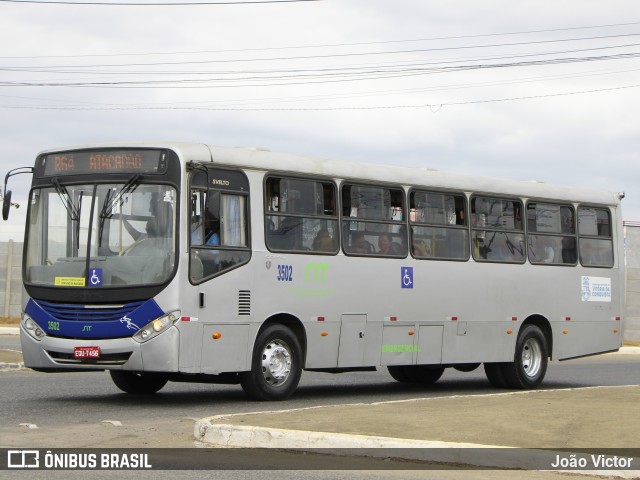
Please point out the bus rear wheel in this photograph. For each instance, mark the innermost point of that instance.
(419, 374)
(276, 365)
(138, 383)
(495, 374)
(530, 360)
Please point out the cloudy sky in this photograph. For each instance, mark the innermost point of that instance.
(531, 90)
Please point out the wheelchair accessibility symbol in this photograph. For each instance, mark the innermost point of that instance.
(95, 277)
(407, 277)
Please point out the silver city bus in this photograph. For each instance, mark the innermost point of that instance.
(188, 262)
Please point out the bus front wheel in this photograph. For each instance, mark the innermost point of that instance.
(276, 365)
(138, 383)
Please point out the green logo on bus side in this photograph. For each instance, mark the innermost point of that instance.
(315, 273)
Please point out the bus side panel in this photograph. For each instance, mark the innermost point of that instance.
(224, 348)
(576, 339)
(593, 324)
(478, 341)
(323, 341)
(190, 351)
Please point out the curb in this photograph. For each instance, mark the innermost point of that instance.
(5, 367)
(9, 330)
(475, 455)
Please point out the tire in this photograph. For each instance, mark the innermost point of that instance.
(416, 374)
(530, 359)
(138, 383)
(276, 365)
(466, 367)
(495, 374)
(398, 374)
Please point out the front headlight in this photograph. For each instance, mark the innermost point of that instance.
(32, 328)
(157, 326)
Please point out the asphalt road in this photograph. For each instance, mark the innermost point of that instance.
(86, 410)
(65, 399)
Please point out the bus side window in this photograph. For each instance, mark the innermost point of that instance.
(219, 223)
(498, 230)
(551, 234)
(300, 215)
(595, 237)
(374, 221)
(439, 229)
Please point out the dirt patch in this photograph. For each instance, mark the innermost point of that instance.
(11, 321)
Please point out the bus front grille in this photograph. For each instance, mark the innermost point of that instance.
(86, 313)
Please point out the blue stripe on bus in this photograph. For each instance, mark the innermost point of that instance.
(76, 321)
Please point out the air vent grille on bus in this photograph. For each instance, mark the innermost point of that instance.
(244, 302)
(97, 313)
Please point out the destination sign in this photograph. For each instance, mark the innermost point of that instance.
(103, 161)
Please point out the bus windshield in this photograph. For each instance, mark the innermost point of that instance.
(101, 235)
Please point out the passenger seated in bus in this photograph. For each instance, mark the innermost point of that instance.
(540, 251)
(549, 254)
(212, 233)
(359, 244)
(506, 251)
(420, 248)
(157, 226)
(323, 241)
(387, 247)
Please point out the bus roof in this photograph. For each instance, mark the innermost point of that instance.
(266, 160)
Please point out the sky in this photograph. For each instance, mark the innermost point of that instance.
(526, 90)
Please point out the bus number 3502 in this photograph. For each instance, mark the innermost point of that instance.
(285, 273)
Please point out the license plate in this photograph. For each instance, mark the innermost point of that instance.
(86, 352)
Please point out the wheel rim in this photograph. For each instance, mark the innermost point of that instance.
(276, 363)
(531, 357)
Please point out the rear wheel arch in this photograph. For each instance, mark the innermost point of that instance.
(545, 326)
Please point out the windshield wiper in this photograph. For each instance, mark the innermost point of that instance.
(72, 210)
(112, 200)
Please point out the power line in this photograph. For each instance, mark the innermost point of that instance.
(328, 45)
(163, 4)
(322, 77)
(336, 96)
(318, 109)
(344, 55)
(300, 71)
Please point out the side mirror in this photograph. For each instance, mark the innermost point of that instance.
(6, 205)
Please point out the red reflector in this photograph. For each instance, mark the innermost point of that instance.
(321, 319)
(514, 319)
(454, 319)
(393, 319)
(617, 319)
(568, 319)
(185, 319)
